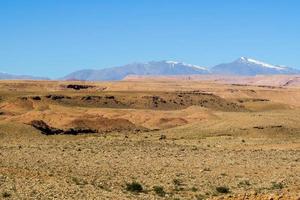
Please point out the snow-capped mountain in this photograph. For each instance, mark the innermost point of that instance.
(241, 67)
(251, 67)
(149, 68)
(6, 76)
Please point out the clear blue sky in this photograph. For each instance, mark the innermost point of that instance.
(54, 37)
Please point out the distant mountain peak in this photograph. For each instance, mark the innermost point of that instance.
(184, 64)
(257, 62)
(251, 67)
(171, 62)
(242, 59)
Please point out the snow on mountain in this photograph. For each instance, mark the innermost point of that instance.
(251, 67)
(263, 64)
(173, 63)
(149, 68)
(241, 67)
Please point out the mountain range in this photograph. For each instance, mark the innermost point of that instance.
(149, 68)
(240, 67)
(6, 76)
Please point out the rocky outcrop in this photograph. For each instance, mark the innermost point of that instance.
(48, 130)
(45, 128)
(79, 87)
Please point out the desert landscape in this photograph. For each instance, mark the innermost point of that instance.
(149, 100)
(149, 138)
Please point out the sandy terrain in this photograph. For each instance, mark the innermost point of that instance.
(263, 80)
(149, 139)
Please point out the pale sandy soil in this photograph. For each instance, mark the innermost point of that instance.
(243, 138)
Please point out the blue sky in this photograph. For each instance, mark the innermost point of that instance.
(54, 37)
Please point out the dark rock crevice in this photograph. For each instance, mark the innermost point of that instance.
(45, 128)
(48, 130)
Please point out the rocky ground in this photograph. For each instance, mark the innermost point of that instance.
(249, 153)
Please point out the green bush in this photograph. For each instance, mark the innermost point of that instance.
(134, 187)
(277, 186)
(79, 181)
(177, 182)
(159, 190)
(244, 183)
(222, 189)
(6, 195)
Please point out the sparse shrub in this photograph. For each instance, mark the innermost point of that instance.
(177, 182)
(222, 189)
(277, 186)
(79, 181)
(244, 183)
(200, 197)
(134, 187)
(162, 137)
(159, 190)
(194, 189)
(6, 195)
(206, 169)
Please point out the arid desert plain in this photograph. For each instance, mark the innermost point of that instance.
(142, 138)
